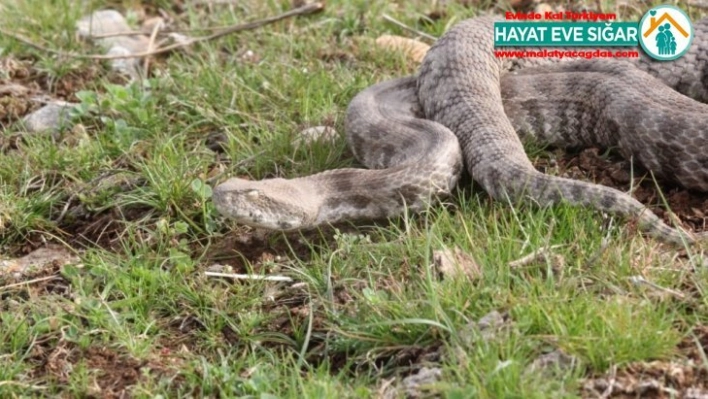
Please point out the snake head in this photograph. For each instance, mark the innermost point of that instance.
(269, 204)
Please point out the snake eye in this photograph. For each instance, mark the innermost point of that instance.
(252, 194)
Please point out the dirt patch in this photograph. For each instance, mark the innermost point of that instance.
(16, 90)
(24, 88)
(686, 377)
(36, 274)
(244, 247)
(115, 373)
(112, 374)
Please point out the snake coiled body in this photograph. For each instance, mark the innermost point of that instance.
(467, 107)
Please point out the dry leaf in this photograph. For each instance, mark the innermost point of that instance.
(413, 49)
(13, 90)
(454, 263)
(150, 24)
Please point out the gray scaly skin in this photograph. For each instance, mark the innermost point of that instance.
(411, 159)
(404, 130)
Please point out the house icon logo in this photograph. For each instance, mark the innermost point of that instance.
(666, 33)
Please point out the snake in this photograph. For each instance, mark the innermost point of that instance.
(466, 109)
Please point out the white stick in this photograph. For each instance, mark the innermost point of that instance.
(249, 276)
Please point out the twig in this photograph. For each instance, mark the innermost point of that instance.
(22, 385)
(306, 9)
(162, 32)
(121, 34)
(532, 257)
(151, 44)
(610, 384)
(214, 2)
(37, 280)
(700, 350)
(65, 209)
(408, 28)
(641, 280)
(249, 276)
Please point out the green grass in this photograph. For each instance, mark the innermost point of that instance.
(135, 312)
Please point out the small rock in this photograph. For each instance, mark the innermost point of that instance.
(415, 385)
(36, 260)
(552, 362)
(696, 393)
(250, 56)
(324, 134)
(110, 22)
(491, 320)
(102, 22)
(454, 263)
(53, 116)
(485, 329)
(127, 66)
